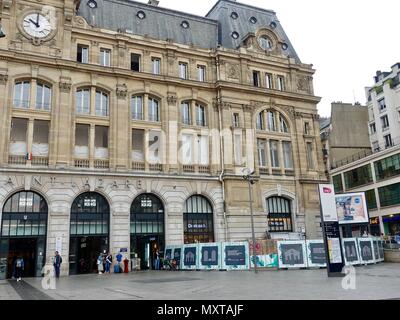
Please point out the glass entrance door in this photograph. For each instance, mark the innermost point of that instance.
(3, 258)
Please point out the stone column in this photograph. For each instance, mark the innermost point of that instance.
(268, 154)
(281, 157)
(29, 137)
(4, 129)
(92, 131)
(120, 119)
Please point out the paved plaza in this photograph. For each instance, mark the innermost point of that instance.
(372, 282)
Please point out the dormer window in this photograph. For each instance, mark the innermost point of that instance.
(92, 4)
(235, 35)
(285, 46)
(234, 15)
(253, 20)
(141, 15)
(185, 25)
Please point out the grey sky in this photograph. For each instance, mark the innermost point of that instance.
(347, 41)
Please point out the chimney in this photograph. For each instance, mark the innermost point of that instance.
(153, 3)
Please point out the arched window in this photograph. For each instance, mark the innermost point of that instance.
(200, 115)
(283, 124)
(198, 220)
(102, 103)
(82, 98)
(24, 215)
(154, 110)
(279, 214)
(186, 112)
(90, 215)
(43, 97)
(22, 94)
(137, 108)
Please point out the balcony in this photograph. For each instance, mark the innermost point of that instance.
(101, 164)
(17, 160)
(81, 163)
(156, 167)
(264, 171)
(138, 166)
(41, 161)
(188, 168)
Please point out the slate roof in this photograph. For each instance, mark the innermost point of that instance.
(165, 24)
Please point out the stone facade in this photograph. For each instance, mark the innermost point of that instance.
(227, 89)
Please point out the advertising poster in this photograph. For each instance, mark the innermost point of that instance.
(316, 253)
(292, 254)
(334, 250)
(190, 257)
(271, 260)
(178, 256)
(235, 256)
(327, 197)
(351, 255)
(210, 256)
(168, 253)
(365, 246)
(351, 208)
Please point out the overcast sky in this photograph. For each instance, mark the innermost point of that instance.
(347, 41)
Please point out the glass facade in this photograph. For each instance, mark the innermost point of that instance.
(337, 183)
(358, 177)
(389, 195)
(147, 216)
(388, 167)
(198, 222)
(371, 199)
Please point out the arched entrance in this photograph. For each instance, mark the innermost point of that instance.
(89, 232)
(23, 233)
(198, 220)
(147, 229)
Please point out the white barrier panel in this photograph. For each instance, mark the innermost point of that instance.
(316, 254)
(292, 254)
(351, 251)
(190, 257)
(366, 249)
(235, 256)
(210, 256)
(381, 251)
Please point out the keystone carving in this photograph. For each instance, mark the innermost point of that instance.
(122, 91)
(65, 85)
(172, 99)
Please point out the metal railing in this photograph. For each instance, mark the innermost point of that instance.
(17, 160)
(81, 163)
(40, 161)
(138, 166)
(101, 164)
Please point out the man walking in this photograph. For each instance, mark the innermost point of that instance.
(57, 264)
(19, 268)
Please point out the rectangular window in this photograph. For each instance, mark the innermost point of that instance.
(200, 116)
(262, 155)
(183, 70)
(105, 57)
(385, 122)
(337, 183)
(82, 98)
(375, 146)
(137, 108)
(256, 78)
(271, 121)
(274, 153)
(185, 111)
(372, 128)
(287, 154)
(281, 83)
(388, 141)
(138, 145)
(101, 104)
(382, 104)
(135, 62)
(260, 121)
(236, 122)
(358, 177)
(156, 65)
(307, 128)
(388, 167)
(187, 149)
(389, 195)
(82, 54)
(310, 156)
(43, 97)
(18, 139)
(154, 110)
(82, 141)
(203, 150)
(268, 81)
(22, 94)
(40, 145)
(201, 71)
(101, 142)
(371, 199)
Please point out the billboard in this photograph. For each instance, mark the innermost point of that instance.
(328, 208)
(351, 208)
(351, 255)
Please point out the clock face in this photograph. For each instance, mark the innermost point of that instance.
(36, 25)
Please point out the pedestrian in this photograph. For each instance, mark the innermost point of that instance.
(57, 264)
(108, 263)
(365, 234)
(19, 268)
(100, 266)
(157, 261)
(119, 260)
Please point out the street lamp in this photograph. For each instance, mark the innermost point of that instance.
(247, 177)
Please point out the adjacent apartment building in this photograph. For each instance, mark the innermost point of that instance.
(127, 126)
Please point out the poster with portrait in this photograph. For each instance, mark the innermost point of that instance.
(351, 208)
(292, 254)
(210, 256)
(351, 252)
(316, 253)
(366, 248)
(190, 255)
(235, 256)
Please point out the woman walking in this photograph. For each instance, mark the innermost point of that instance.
(108, 263)
(100, 266)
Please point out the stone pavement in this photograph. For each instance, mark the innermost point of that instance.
(372, 282)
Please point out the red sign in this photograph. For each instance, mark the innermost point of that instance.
(327, 190)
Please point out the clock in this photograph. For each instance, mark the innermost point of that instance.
(37, 25)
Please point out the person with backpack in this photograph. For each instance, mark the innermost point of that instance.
(57, 264)
(108, 263)
(19, 268)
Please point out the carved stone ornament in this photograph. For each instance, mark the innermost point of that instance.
(3, 79)
(65, 85)
(122, 91)
(172, 99)
(302, 84)
(233, 71)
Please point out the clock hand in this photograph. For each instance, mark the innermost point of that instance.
(37, 21)
(34, 23)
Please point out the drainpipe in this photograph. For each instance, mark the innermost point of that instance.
(222, 155)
